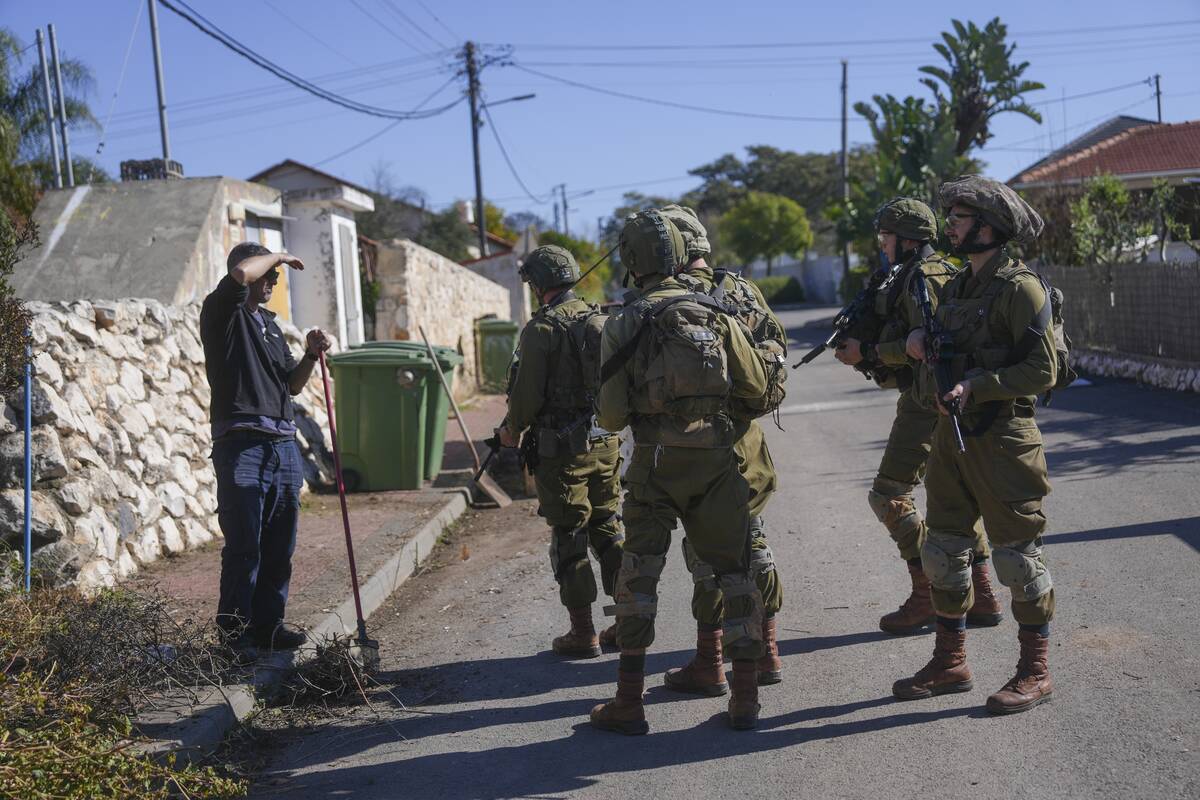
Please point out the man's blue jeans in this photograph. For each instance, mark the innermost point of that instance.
(258, 507)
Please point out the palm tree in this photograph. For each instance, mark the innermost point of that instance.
(979, 81)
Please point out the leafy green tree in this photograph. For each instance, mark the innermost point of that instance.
(446, 233)
(15, 237)
(767, 226)
(1109, 227)
(494, 219)
(595, 286)
(979, 81)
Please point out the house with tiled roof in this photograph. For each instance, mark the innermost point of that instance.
(1135, 151)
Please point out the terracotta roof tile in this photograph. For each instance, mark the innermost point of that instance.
(1146, 149)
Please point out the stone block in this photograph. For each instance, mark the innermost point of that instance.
(145, 546)
(172, 498)
(169, 536)
(196, 534)
(46, 368)
(76, 497)
(47, 523)
(96, 575)
(133, 422)
(132, 381)
(47, 457)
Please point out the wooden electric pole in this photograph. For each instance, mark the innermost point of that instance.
(473, 92)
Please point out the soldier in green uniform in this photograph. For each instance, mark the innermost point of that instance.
(673, 361)
(906, 227)
(551, 398)
(998, 347)
(705, 673)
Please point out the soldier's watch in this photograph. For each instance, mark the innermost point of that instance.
(869, 353)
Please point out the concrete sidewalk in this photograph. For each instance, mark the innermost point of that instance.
(393, 534)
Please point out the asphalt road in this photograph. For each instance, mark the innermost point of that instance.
(467, 645)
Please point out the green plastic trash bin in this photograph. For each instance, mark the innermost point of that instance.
(437, 404)
(495, 339)
(380, 409)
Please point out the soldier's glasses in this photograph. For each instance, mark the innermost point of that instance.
(953, 218)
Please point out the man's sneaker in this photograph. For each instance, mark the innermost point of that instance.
(241, 650)
(280, 638)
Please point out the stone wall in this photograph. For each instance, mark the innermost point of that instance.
(121, 470)
(502, 269)
(418, 287)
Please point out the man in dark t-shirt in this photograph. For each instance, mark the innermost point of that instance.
(253, 377)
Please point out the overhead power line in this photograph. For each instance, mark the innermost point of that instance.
(1109, 90)
(453, 36)
(672, 104)
(209, 29)
(288, 18)
(383, 25)
(508, 160)
(385, 128)
(890, 41)
(411, 22)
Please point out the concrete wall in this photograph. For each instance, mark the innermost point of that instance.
(326, 293)
(162, 240)
(502, 269)
(819, 275)
(419, 287)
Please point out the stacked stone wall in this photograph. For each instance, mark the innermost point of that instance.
(420, 288)
(121, 442)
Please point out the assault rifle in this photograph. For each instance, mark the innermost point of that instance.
(846, 319)
(939, 352)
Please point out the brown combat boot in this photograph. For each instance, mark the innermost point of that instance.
(916, 612)
(770, 666)
(946, 672)
(581, 641)
(705, 673)
(743, 703)
(986, 611)
(608, 636)
(1031, 685)
(625, 713)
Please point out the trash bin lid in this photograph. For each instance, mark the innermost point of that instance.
(496, 325)
(448, 357)
(382, 356)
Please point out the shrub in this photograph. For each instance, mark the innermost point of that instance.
(780, 289)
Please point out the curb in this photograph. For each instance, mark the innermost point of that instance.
(192, 725)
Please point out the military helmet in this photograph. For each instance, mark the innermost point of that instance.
(908, 218)
(695, 237)
(998, 205)
(651, 244)
(549, 266)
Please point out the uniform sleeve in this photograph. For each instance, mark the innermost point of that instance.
(745, 366)
(780, 332)
(908, 316)
(527, 394)
(1037, 371)
(612, 403)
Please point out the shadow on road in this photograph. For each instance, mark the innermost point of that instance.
(578, 760)
(1186, 528)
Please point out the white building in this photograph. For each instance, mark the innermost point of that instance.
(319, 227)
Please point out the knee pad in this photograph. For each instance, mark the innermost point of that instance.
(946, 559)
(736, 630)
(631, 603)
(567, 546)
(892, 501)
(702, 574)
(762, 561)
(1022, 569)
(608, 553)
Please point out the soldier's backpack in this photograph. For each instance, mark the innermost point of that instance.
(1066, 375)
(682, 365)
(585, 334)
(769, 340)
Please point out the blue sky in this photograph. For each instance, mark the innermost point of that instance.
(229, 117)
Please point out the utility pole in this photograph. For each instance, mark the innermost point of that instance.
(845, 167)
(557, 219)
(50, 116)
(62, 107)
(1158, 95)
(473, 92)
(600, 231)
(158, 81)
(562, 188)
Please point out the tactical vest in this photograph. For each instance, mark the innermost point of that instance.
(574, 356)
(768, 338)
(983, 341)
(887, 303)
